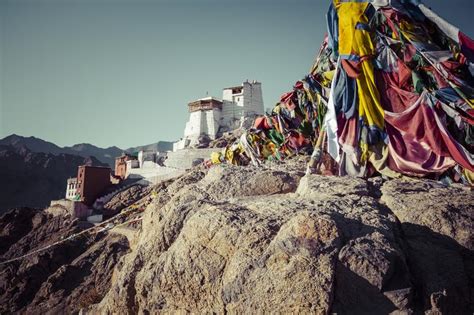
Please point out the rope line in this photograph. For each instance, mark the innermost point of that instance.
(71, 237)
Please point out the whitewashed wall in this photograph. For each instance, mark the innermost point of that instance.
(202, 122)
(212, 122)
(194, 125)
(253, 100)
(183, 159)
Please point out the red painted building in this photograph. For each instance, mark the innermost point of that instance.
(121, 165)
(91, 182)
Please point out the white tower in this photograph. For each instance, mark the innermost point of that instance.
(253, 100)
(241, 101)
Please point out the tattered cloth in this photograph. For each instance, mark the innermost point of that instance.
(391, 92)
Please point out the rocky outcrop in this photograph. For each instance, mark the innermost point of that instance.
(267, 239)
(245, 239)
(125, 198)
(438, 226)
(227, 182)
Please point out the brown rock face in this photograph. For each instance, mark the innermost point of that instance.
(60, 280)
(230, 181)
(438, 224)
(279, 244)
(125, 198)
(268, 239)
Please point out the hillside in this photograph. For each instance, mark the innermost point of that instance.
(106, 155)
(33, 179)
(241, 239)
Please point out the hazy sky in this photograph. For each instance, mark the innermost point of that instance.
(121, 72)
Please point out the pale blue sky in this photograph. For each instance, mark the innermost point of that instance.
(120, 72)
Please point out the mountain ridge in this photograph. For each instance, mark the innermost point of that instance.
(105, 155)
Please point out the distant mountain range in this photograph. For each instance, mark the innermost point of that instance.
(35, 178)
(106, 155)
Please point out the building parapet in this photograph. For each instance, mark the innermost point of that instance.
(205, 104)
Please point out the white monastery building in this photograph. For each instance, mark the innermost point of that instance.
(71, 189)
(211, 116)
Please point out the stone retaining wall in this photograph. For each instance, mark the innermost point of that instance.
(183, 159)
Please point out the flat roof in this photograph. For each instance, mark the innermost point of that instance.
(241, 86)
(233, 87)
(90, 166)
(207, 98)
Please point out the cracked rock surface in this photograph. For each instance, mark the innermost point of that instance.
(243, 239)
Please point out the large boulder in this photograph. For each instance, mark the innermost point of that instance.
(228, 181)
(265, 249)
(438, 225)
